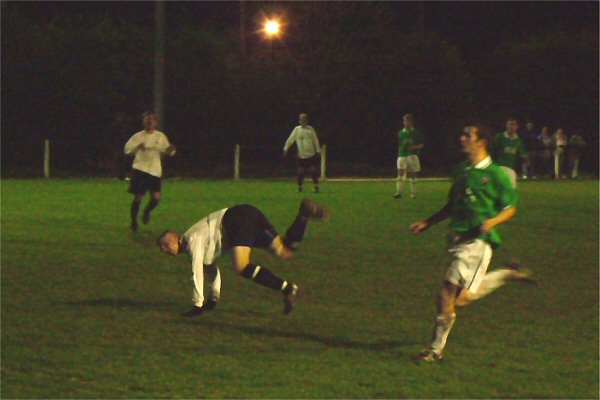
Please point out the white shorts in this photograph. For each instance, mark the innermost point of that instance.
(511, 174)
(470, 261)
(410, 163)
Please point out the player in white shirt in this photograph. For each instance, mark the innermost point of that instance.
(309, 151)
(147, 146)
(239, 229)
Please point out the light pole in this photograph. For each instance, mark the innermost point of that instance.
(159, 62)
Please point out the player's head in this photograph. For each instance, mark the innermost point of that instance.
(303, 119)
(407, 121)
(168, 242)
(512, 125)
(529, 126)
(149, 119)
(475, 138)
(544, 131)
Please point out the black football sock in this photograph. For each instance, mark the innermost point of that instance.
(315, 179)
(295, 233)
(264, 277)
(151, 205)
(135, 208)
(300, 180)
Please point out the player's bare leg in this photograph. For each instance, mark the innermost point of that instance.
(134, 210)
(154, 200)
(495, 280)
(263, 277)
(444, 321)
(412, 183)
(400, 181)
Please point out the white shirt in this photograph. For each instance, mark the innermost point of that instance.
(204, 244)
(306, 140)
(148, 159)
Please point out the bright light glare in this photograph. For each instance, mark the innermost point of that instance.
(272, 28)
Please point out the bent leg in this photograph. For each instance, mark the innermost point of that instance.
(154, 200)
(256, 273)
(493, 281)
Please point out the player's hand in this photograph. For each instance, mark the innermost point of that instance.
(140, 147)
(171, 150)
(419, 227)
(486, 226)
(284, 154)
(194, 312)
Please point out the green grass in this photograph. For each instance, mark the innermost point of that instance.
(91, 311)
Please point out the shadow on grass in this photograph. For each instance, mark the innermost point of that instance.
(121, 303)
(337, 342)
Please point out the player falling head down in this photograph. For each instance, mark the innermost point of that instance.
(239, 228)
(481, 198)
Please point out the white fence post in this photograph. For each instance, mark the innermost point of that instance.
(236, 163)
(46, 159)
(323, 161)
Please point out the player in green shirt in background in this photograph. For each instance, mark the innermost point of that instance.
(410, 143)
(507, 148)
(481, 198)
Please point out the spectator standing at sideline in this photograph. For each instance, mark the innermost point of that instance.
(530, 142)
(575, 147)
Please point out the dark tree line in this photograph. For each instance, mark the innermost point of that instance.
(349, 65)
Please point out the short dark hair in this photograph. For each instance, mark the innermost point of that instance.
(148, 113)
(486, 133)
(511, 118)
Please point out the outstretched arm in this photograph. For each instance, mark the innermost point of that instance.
(289, 142)
(439, 216)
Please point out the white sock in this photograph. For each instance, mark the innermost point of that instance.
(443, 325)
(398, 184)
(491, 281)
(413, 186)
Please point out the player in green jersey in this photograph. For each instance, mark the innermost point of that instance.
(480, 199)
(507, 148)
(410, 143)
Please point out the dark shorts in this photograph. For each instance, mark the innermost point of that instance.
(308, 162)
(142, 182)
(246, 225)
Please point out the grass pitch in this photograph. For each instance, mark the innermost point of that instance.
(90, 310)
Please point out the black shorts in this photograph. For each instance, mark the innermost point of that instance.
(246, 225)
(142, 182)
(308, 162)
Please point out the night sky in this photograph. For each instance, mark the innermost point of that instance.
(208, 87)
(472, 26)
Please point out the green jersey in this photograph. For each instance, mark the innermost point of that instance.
(479, 193)
(506, 150)
(407, 138)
